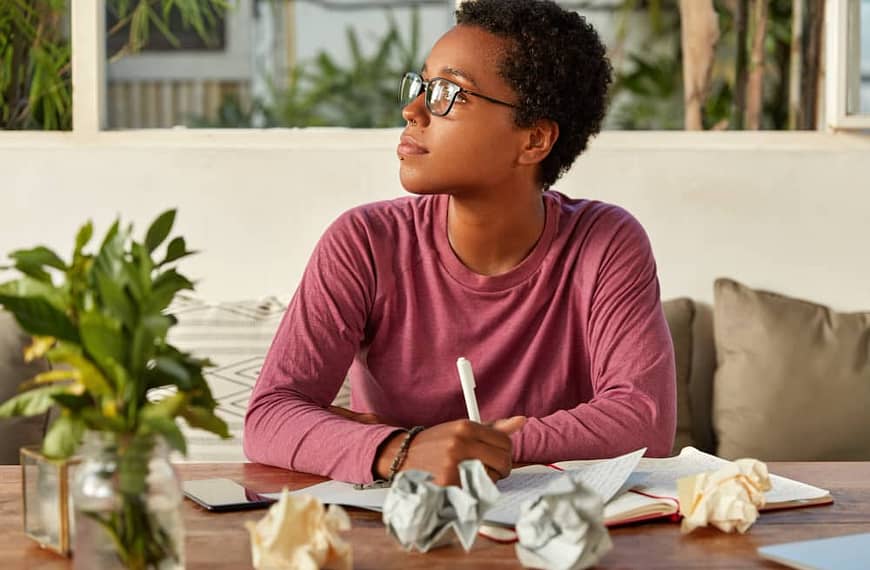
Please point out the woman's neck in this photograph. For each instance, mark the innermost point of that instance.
(492, 236)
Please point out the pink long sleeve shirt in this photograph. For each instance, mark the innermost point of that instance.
(573, 337)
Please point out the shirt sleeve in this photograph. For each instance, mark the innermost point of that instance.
(286, 424)
(631, 360)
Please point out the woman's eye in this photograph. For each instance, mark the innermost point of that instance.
(462, 97)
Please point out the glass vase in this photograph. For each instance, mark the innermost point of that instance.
(127, 503)
(47, 501)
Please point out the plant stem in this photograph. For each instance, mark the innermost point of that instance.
(139, 539)
(755, 85)
(740, 25)
(795, 64)
(811, 59)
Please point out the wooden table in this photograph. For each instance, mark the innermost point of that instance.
(219, 541)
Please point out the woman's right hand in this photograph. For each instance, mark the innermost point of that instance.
(441, 448)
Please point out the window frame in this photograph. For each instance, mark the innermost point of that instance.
(88, 58)
(840, 80)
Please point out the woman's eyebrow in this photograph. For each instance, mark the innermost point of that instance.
(456, 72)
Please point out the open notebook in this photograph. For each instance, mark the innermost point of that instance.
(649, 491)
(652, 488)
(633, 488)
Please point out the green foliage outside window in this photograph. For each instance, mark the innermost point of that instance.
(35, 67)
(322, 92)
(35, 90)
(648, 86)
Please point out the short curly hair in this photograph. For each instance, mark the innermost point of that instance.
(557, 65)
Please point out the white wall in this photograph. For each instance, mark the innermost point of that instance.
(789, 212)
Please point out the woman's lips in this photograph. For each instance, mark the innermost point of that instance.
(410, 147)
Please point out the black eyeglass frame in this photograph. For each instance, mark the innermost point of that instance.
(424, 89)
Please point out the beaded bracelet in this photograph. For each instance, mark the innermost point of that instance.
(403, 452)
(401, 455)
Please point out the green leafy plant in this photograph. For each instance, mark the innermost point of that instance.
(648, 87)
(323, 92)
(35, 78)
(656, 94)
(100, 319)
(363, 94)
(139, 17)
(35, 83)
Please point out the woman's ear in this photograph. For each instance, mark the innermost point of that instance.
(539, 141)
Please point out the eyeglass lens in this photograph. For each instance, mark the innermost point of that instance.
(439, 93)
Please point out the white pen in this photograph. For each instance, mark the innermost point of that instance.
(466, 379)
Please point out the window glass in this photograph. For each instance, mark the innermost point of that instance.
(299, 63)
(269, 63)
(643, 43)
(643, 38)
(35, 79)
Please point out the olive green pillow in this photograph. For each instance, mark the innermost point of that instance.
(679, 314)
(793, 378)
(16, 432)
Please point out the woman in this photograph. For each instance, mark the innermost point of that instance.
(555, 301)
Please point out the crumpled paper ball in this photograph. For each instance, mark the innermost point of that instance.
(728, 499)
(299, 534)
(418, 513)
(563, 529)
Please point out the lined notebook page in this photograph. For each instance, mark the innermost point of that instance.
(659, 477)
(606, 478)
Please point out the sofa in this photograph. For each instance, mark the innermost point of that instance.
(16, 432)
(758, 374)
(764, 375)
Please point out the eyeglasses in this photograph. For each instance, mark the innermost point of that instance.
(440, 93)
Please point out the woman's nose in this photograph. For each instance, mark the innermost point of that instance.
(416, 111)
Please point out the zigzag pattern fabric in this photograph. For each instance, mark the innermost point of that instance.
(235, 336)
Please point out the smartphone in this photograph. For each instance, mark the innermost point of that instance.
(222, 495)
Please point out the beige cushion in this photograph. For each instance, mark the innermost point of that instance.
(793, 378)
(16, 432)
